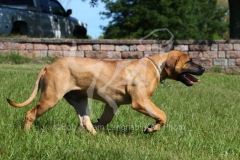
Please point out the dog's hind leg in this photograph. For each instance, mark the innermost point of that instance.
(45, 103)
(106, 117)
(81, 106)
(146, 107)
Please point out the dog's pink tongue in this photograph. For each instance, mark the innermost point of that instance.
(191, 78)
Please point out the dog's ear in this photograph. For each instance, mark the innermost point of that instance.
(170, 65)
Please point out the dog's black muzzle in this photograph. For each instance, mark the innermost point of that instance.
(186, 74)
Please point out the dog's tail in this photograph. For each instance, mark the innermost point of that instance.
(33, 95)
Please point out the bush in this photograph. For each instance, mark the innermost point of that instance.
(18, 59)
(14, 58)
(217, 69)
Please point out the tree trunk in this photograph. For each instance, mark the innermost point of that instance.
(234, 8)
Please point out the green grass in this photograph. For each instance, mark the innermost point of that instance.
(203, 123)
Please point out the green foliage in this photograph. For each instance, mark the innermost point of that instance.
(203, 123)
(217, 69)
(48, 59)
(12, 36)
(186, 19)
(14, 58)
(2, 58)
(223, 5)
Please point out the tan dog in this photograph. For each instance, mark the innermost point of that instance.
(112, 82)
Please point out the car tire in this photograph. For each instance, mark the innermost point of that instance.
(80, 32)
(20, 28)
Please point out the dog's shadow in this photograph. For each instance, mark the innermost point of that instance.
(43, 126)
(118, 131)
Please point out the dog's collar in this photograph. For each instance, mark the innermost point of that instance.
(162, 81)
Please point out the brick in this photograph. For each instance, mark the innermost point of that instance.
(233, 54)
(140, 48)
(238, 62)
(145, 47)
(54, 47)
(133, 48)
(73, 47)
(148, 47)
(114, 55)
(5, 52)
(73, 53)
(179, 42)
(132, 55)
(37, 53)
(18, 46)
(150, 53)
(40, 47)
(195, 54)
(182, 48)
(161, 52)
(225, 47)
(24, 53)
(200, 47)
(236, 47)
(220, 62)
(29, 46)
(7, 45)
(166, 47)
(214, 47)
(237, 41)
(122, 48)
(55, 53)
(231, 62)
(30, 53)
(96, 47)
(156, 47)
(43, 53)
(96, 54)
(34, 53)
(105, 47)
(13, 51)
(65, 47)
(210, 54)
(1, 45)
(85, 47)
(204, 62)
(221, 54)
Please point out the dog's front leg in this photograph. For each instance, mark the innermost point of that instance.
(107, 116)
(83, 115)
(146, 107)
(86, 123)
(81, 106)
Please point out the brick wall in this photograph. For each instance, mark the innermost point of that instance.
(221, 53)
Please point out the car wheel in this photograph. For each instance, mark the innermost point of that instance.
(80, 32)
(20, 28)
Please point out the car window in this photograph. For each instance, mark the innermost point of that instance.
(57, 8)
(44, 6)
(17, 2)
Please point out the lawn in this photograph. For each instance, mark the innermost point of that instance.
(203, 123)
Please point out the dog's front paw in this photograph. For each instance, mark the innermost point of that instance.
(148, 129)
(98, 127)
